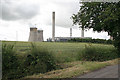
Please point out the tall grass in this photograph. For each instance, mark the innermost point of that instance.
(10, 63)
(63, 52)
(38, 60)
(96, 53)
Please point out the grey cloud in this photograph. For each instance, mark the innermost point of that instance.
(66, 10)
(17, 11)
(63, 10)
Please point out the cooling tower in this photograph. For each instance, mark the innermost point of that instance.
(40, 35)
(35, 35)
(53, 26)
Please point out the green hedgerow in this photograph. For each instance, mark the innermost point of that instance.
(92, 53)
(10, 63)
(39, 60)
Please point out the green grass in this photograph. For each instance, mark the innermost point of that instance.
(93, 53)
(74, 69)
(64, 52)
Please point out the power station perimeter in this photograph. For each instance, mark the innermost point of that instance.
(37, 35)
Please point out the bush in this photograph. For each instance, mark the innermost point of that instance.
(39, 60)
(10, 63)
(92, 53)
(89, 40)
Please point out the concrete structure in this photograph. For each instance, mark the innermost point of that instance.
(82, 33)
(53, 26)
(65, 39)
(35, 35)
(62, 39)
(40, 35)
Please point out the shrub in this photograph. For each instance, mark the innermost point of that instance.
(10, 64)
(92, 53)
(39, 60)
(89, 40)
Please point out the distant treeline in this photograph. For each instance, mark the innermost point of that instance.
(91, 40)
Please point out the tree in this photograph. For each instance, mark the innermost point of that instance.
(100, 16)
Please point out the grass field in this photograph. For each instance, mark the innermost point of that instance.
(63, 51)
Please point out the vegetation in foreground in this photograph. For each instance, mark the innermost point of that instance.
(38, 60)
(50, 56)
(92, 53)
(74, 69)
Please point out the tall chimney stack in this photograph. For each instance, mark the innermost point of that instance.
(70, 32)
(82, 33)
(53, 26)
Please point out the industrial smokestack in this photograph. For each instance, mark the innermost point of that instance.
(53, 26)
(82, 33)
(70, 32)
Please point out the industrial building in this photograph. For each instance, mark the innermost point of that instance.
(63, 39)
(35, 35)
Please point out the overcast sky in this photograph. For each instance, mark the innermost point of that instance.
(16, 18)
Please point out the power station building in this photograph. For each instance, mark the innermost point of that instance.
(35, 35)
(63, 39)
